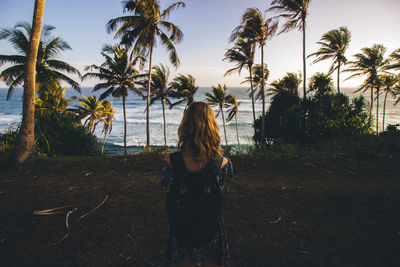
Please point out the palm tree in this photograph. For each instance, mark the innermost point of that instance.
(141, 31)
(184, 87)
(53, 100)
(255, 27)
(333, 46)
(49, 70)
(395, 57)
(118, 74)
(321, 84)
(160, 91)
(242, 54)
(25, 140)
(370, 62)
(289, 83)
(107, 115)
(257, 80)
(389, 82)
(295, 11)
(92, 109)
(218, 97)
(232, 113)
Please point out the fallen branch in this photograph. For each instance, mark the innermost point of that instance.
(276, 221)
(127, 186)
(93, 210)
(67, 217)
(51, 211)
(62, 239)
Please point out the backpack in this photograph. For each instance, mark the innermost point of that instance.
(194, 203)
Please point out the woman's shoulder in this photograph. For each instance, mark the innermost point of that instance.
(225, 161)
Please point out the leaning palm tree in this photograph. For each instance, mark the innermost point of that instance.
(370, 63)
(295, 11)
(242, 54)
(119, 76)
(232, 113)
(91, 109)
(25, 140)
(184, 87)
(161, 91)
(395, 58)
(257, 28)
(389, 81)
(218, 97)
(333, 46)
(257, 80)
(141, 30)
(107, 118)
(48, 69)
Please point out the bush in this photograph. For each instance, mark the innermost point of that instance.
(62, 134)
(323, 116)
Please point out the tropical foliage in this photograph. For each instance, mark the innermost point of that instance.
(369, 63)
(295, 12)
(161, 91)
(107, 118)
(119, 76)
(329, 115)
(242, 54)
(49, 70)
(333, 46)
(142, 29)
(232, 113)
(184, 87)
(218, 97)
(256, 28)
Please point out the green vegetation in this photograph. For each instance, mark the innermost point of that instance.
(141, 30)
(49, 71)
(118, 74)
(321, 114)
(334, 44)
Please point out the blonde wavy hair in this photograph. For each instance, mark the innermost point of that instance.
(198, 132)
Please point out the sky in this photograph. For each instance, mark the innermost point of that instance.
(207, 25)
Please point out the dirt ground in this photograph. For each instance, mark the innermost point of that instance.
(326, 211)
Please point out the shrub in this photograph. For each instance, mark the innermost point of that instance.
(62, 134)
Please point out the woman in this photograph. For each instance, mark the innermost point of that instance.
(195, 175)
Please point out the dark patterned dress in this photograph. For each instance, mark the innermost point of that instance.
(217, 250)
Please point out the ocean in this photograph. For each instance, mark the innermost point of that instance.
(10, 116)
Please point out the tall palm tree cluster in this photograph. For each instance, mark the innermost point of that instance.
(256, 28)
(144, 27)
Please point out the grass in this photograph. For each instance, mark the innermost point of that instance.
(316, 209)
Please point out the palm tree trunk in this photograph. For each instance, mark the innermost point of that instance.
(237, 134)
(263, 99)
(384, 109)
(372, 101)
(165, 130)
(252, 100)
(25, 141)
(304, 59)
(104, 141)
(123, 107)
(148, 101)
(338, 80)
(377, 108)
(223, 123)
